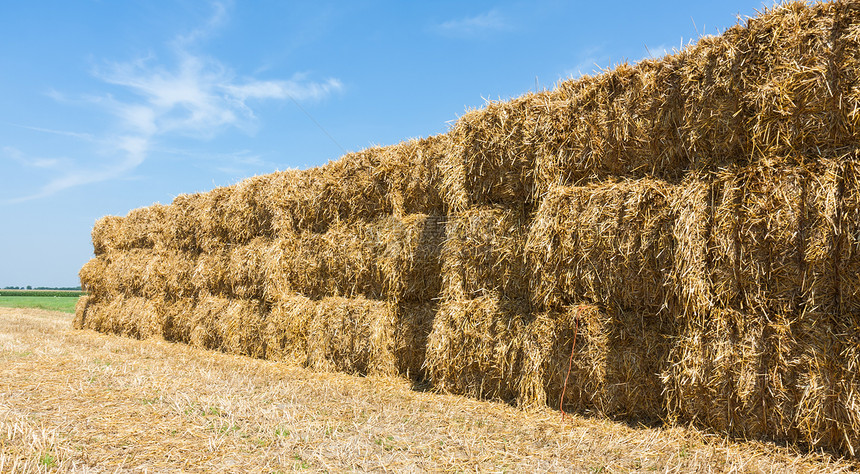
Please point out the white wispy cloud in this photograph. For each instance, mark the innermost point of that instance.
(659, 51)
(190, 95)
(471, 26)
(589, 61)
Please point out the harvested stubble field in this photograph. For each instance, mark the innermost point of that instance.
(83, 401)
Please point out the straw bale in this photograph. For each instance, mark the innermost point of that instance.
(774, 231)
(690, 274)
(81, 307)
(176, 312)
(228, 324)
(246, 269)
(107, 234)
(413, 178)
(246, 216)
(339, 262)
(476, 346)
(798, 78)
(391, 257)
(212, 273)
(210, 212)
(490, 155)
(140, 229)
(93, 276)
(414, 322)
(352, 335)
(127, 316)
(287, 328)
(779, 85)
(847, 245)
(616, 364)
(349, 189)
(776, 376)
(139, 272)
(484, 251)
(623, 122)
(609, 244)
(827, 414)
(408, 256)
(182, 228)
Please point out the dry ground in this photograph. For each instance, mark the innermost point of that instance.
(80, 401)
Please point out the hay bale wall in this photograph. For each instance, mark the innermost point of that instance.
(691, 222)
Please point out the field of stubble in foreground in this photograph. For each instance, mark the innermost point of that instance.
(81, 401)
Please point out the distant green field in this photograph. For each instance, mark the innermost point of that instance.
(40, 293)
(55, 300)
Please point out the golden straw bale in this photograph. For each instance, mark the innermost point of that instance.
(776, 376)
(339, 262)
(246, 269)
(140, 229)
(353, 335)
(107, 234)
(623, 123)
(178, 316)
(212, 273)
(476, 346)
(413, 178)
(349, 189)
(798, 97)
(287, 327)
(614, 369)
(709, 95)
(127, 316)
(408, 256)
(773, 236)
(182, 227)
(779, 85)
(227, 324)
(168, 275)
(246, 216)
(347, 255)
(211, 214)
(94, 277)
(139, 272)
(484, 251)
(490, 154)
(828, 387)
(81, 307)
(847, 247)
(610, 244)
(414, 322)
(289, 197)
(690, 276)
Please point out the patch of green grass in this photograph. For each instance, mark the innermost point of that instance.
(48, 460)
(61, 293)
(65, 304)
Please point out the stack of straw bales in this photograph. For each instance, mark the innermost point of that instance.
(673, 240)
(335, 268)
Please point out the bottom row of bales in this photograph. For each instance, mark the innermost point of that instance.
(354, 335)
(487, 347)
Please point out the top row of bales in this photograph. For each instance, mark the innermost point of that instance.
(398, 180)
(782, 85)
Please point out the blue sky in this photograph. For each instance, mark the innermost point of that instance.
(108, 106)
